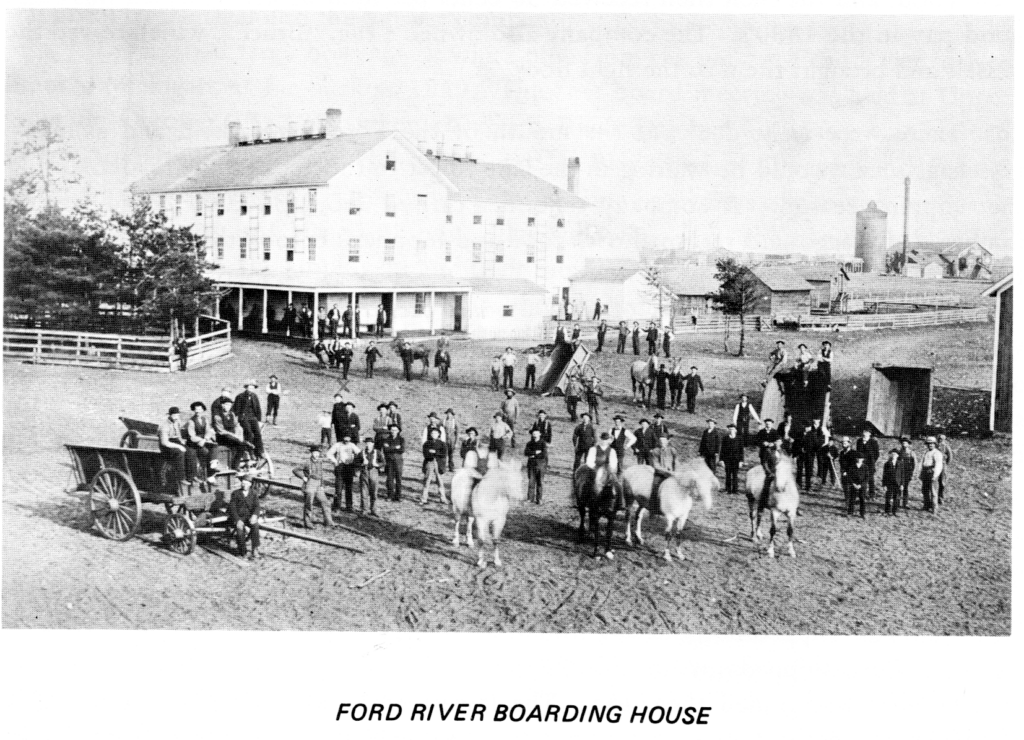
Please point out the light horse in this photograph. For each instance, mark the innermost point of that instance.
(599, 495)
(419, 353)
(783, 499)
(491, 500)
(643, 373)
(673, 499)
(463, 483)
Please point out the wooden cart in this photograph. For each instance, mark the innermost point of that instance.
(145, 435)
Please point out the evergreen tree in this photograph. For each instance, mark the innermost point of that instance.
(737, 295)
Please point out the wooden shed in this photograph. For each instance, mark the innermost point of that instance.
(900, 399)
(1001, 409)
(781, 292)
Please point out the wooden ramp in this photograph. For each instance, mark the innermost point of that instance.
(900, 399)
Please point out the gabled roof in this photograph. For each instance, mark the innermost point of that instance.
(493, 182)
(780, 278)
(691, 280)
(817, 273)
(997, 288)
(281, 164)
(945, 249)
(603, 271)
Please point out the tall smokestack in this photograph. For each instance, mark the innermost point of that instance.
(573, 182)
(906, 207)
(234, 133)
(333, 122)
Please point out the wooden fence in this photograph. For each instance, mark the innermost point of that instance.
(116, 351)
(859, 322)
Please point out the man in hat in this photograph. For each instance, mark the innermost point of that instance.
(584, 436)
(804, 452)
(787, 432)
(594, 393)
(710, 445)
(620, 348)
(306, 321)
(229, 432)
(532, 358)
(382, 319)
(602, 331)
(380, 425)
(394, 450)
(573, 391)
(868, 447)
(433, 422)
(372, 355)
(663, 457)
(243, 513)
(199, 441)
(742, 415)
(597, 311)
(344, 418)
(247, 409)
(510, 410)
(907, 466)
(323, 356)
(652, 340)
(661, 385)
(172, 448)
(369, 462)
(676, 382)
(846, 457)
(470, 443)
(666, 340)
(536, 453)
(947, 459)
(543, 425)
(356, 321)
(215, 407)
(658, 425)
(181, 346)
(407, 359)
(765, 437)
(312, 474)
(273, 400)
(732, 459)
(434, 456)
(508, 364)
(819, 445)
(321, 321)
(931, 469)
(825, 364)
(559, 333)
(856, 483)
(346, 320)
(393, 415)
(443, 362)
(891, 482)
(345, 358)
(333, 319)
(343, 455)
(693, 385)
(498, 435)
(496, 373)
(644, 442)
(451, 435)
(636, 337)
(290, 317)
(776, 361)
(602, 453)
(621, 438)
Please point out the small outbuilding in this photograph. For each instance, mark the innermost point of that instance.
(1001, 410)
(900, 399)
(781, 291)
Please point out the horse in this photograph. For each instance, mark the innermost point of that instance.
(491, 500)
(673, 499)
(463, 483)
(643, 373)
(598, 494)
(784, 499)
(419, 353)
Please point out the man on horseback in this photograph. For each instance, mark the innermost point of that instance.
(583, 438)
(621, 439)
(644, 442)
(769, 462)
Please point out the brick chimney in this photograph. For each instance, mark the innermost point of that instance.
(574, 175)
(333, 122)
(234, 133)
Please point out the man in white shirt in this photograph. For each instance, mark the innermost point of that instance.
(343, 455)
(508, 363)
(931, 469)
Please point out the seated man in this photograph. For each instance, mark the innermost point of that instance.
(243, 512)
(199, 439)
(229, 433)
(601, 454)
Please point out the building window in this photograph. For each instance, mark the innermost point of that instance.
(289, 251)
(559, 259)
(389, 164)
(220, 247)
(478, 219)
(290, 204)
(312, 200)
(266, 205)
(199, 204)
(389, 250)
(448, 219)
(531, 253)
(506, 310)
(355, 203)
(560, 223)
(530, 221)
(448, 252)
(353, 250)
(421, 195)
(241, 247)
(478, 252)
(554, 299)
(243, 209)
(177, 205)
(389, 205)
(421, 245)
(421, 299)
(312, 249)
(266, 249)
(163, 203)
(220, 204)
(500, 222)
(499, 253)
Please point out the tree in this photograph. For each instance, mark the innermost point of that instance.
(737, 295)
(653, 277)
(43, 162)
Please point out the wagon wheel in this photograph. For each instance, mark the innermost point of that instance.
(264, 467)
(130, 439)
(180, 534)
(115, 505)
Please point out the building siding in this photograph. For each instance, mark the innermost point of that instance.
(1003, 396)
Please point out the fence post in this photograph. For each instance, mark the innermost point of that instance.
(117, 358)
(39, 347)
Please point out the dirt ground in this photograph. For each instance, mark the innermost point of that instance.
(915, 574)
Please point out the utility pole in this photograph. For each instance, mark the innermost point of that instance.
(906, 206)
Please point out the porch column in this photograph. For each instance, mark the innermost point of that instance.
(316, 305)
(216, 306)
(241, 290)
(355, 327)
(467, 309)
(265, 299)
(394, 306)
(431, 313)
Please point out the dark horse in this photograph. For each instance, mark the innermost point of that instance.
(599, 493)
(419, 353)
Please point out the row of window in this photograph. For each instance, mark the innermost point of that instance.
(421, 302)
(244, 249)
(243, 205)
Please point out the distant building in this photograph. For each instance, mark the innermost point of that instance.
(964, 260)
(624, 290)
(1001, 407)
(782, 291)
(824, 280)
(690, 287)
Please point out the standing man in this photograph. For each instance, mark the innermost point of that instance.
(620, 348)
(434, 456)
(306, 322)
(644, 442)
(652, 340)
(321, 321)
(636, 337)
(345, 358)
(273, 400)
(675, 385)
(346, 320)
(339, 416)
(621, 439)
(710, 446)
(659, 426)
(856, 483)
(846, 457)
(543, 426)
(442, 361)
(508, 364)
(332, 320)
(433, 422)
(825, 363)
(907, 465)
(666, 341)
(406, 354)
(661, 385)
(891, 482)
(804, 450)
(536, 453)
(182, 348)
(732, 458)
(787, 433)
(290, 318)
(693, 385)
(868, 447)
(369, 462)
(380, 426)
(496, 373)
(172, 449)
(356, 322)
(393, 415)
(312, 474)
(343, 455)
(199, 439)
(572, 394)
(510, 411)
(583, 438)
(742, 416)
(499, 434)
(382, 319)
(947, 458)
(451, 434)
(594, 393)
(372, 355)
(325, 421)
(820, 443)
(394, 449)
(765, 438)
(531, 368)
(602, 330)
(597, 311)
(931, 469)
(247, 409)
(559, 334)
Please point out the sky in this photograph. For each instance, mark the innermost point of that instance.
(762, 133)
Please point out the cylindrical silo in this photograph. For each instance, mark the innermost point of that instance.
(870, 239)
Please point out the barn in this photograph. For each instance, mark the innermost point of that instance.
(781, 292)
(900, 399)
(690, 286)
(1001, 409)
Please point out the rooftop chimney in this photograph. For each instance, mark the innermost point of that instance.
(234, 133)
(333, 122)
(574, 175)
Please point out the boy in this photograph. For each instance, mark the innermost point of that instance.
(891, 482)
(496, 373)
